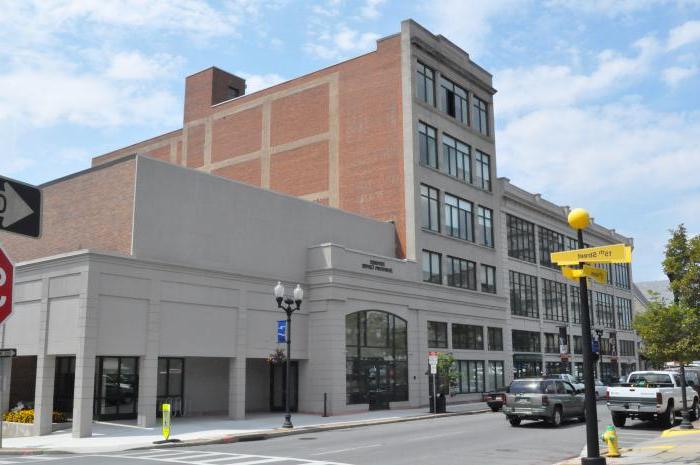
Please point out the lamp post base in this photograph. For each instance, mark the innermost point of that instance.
(688, 425)
(287, 422)
(593, 461)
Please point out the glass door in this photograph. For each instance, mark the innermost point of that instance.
(63, 385)
(116, 388)
(278, 386)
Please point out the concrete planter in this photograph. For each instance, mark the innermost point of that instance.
(11, 429)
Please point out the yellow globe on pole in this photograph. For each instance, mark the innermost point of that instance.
(579, 218)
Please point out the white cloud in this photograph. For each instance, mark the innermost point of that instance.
(341, 43)
(684, 34)
(675, 74)
(610, 8)
(370, 10)
(256, 82)
(135, 66)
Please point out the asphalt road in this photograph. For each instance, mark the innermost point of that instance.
(481, 439)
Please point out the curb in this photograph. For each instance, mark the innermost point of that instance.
(258, 436)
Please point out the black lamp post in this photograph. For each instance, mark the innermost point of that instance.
(289, 306)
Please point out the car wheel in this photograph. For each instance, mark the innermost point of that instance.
(668, 419)
(514, 421)
(619, 419)
(495, 408)
(555, 420)
(694, 413)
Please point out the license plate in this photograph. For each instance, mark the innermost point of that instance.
(522, 401)
(634, 407)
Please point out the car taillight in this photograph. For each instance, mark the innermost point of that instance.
(659, 398)
(505, 398)
(545, 400)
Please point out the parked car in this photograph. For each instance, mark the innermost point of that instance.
(579, 386)
(650, 395)
(551, 400)
(692, 376)
(601, 390)
(494, 399)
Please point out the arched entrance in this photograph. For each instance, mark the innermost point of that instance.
(376, 357)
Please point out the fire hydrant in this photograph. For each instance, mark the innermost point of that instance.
(610, 437)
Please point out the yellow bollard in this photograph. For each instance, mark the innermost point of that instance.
(610, 437)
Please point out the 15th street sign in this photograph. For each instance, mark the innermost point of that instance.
(20, 208)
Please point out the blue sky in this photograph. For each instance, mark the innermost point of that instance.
(598, 103)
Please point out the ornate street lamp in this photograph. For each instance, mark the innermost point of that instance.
(289, 305)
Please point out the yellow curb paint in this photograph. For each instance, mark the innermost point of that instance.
(655, 448)
(670, 432)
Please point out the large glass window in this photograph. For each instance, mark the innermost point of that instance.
(550, 241)
(437, 334)
(116, 394)
(376, 356)
(527, 366)
(458, 218)
(488, 279)
(427, 142)
(461, 273)
(626, 348)
(605, 309)
(471, 376)
(453, 100)
(523, 295)
(621, 273)
(578, 345)
(430, 207)
(432, 267)
(495, 339)
(481, 115)
(551, 343)
(486, 225)
(483, 170)
(576, 305)
(555, 302)
(170, 383)
(624, 313)
(521, 239)
(457, 158)
(526, 341)
(497, 374)
(468, 337)
(425, 84)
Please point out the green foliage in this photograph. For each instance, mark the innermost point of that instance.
(682, 266)
(670, 332)
(447, 373)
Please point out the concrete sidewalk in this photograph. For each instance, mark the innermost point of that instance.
(118, 436)
(673, 447)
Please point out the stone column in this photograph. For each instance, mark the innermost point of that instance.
(43, 397)
(236, 388)
(6, 378)
(148, 365)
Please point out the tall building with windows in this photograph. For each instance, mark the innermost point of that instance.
(454, 258)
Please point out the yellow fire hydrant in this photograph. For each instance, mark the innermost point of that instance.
(610, 437)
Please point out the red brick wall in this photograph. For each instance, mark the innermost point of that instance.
(93, 210)
(290, 173)
(236, 134)
(300, 115)
(195, 146)
(248, 172)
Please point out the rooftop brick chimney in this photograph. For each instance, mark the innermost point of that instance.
(207, 88)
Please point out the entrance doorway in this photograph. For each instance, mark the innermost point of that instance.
(64, 381)
(116, 388)
(278, 385)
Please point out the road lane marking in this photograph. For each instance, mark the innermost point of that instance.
(193, 457)
(337, 451)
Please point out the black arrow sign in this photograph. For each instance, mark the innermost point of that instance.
(20, 208)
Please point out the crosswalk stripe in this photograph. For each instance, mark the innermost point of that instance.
(268, 460)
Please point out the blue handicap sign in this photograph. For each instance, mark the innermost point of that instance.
(282, 331)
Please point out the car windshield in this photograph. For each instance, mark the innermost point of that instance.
(649, 378)
(526, 387)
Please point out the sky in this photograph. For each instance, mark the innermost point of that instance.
(598, 102)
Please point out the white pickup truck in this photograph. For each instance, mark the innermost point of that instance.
(650, 395)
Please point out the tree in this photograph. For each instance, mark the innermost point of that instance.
(682, 266)
(670, 332)
(447, 373)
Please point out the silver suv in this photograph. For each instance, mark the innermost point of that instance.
(551, 400)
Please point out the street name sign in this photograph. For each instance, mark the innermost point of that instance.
(5, 353)
(20, 208)
(433, 360)
(598, 274)
(7, 274)
(616, 253)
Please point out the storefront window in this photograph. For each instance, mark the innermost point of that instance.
(376, 357)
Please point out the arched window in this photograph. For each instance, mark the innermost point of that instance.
(376, 356)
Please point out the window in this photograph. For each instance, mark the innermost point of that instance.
(550, 241)
(481, 115)
(457, 158)
(551, 343)
(627, 368)
(605, 346)
(576, 305)
(621, 273)
(483, 170)
(453, 100)
(570, 243)
(497, 374)
(578, 345)
(461, 273)
(521, 239)
(626, 348)
(471, 376)
(495, 339)
(468, 337)
(523, 295)
(430, 207)
(555, 302)
(485, 216)
(170, 378)
(605, 310)
(437, 334)
(459, 220)
(425, 84)
(432, 267)
(427, 142)
(624, 313)
(526, 341)
(488, 279)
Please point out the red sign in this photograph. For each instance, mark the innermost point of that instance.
(7, 273)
